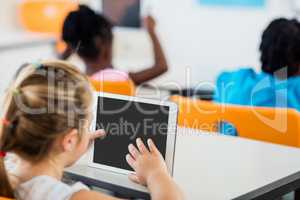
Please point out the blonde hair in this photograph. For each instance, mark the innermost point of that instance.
(46, 100)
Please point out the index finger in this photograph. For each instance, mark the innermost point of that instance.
(97, 134)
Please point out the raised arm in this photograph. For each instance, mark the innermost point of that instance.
(160, 66)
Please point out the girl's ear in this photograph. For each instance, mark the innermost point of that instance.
(70, 140)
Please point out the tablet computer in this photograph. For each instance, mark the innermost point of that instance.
(124, 13)
(126, 118)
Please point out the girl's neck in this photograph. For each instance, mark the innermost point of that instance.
(94, 67)
(50, 167)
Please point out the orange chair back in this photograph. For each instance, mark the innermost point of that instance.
(4, 198)
(280, 126)
(122, 87)
(45, 16)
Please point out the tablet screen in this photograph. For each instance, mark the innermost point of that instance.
(124, 13)
(124, 121)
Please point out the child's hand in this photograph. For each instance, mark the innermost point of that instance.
(150, 24)
(148, 165)
(95, 135)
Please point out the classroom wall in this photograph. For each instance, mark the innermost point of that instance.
(7, 17)
(8, 14)
(208, 40)
(18, 46)
(200, 41)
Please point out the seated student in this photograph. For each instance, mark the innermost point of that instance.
(90, 36)
(278, 83)
(46, 124)
(280, 57)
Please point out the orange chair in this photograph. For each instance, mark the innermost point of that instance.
(4, 198)
(122, 87)
(45, 16)
(280, 126)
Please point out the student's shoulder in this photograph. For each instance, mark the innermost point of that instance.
(294, 81)
(240, 74)
(293, 86)
(45, 187)
(233, 84)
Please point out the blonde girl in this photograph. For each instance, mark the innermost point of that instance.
(45, 124)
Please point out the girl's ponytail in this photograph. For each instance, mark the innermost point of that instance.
(5, 187)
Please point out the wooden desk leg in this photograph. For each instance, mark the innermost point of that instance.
(297, 194)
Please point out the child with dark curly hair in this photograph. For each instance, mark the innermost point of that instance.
(90, 35)
(278, 83)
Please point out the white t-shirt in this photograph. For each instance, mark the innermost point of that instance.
(41, 187)
(47, 188)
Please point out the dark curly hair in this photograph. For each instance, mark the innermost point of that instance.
(83, 28)
(280, 47)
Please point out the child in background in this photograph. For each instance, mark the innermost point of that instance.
(278, 83)
(90, 36)
(45, 124)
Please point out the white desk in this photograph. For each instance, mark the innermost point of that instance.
(217, 167)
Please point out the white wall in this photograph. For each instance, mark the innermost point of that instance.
(9, 15)
(208, 40)
(8, 18)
